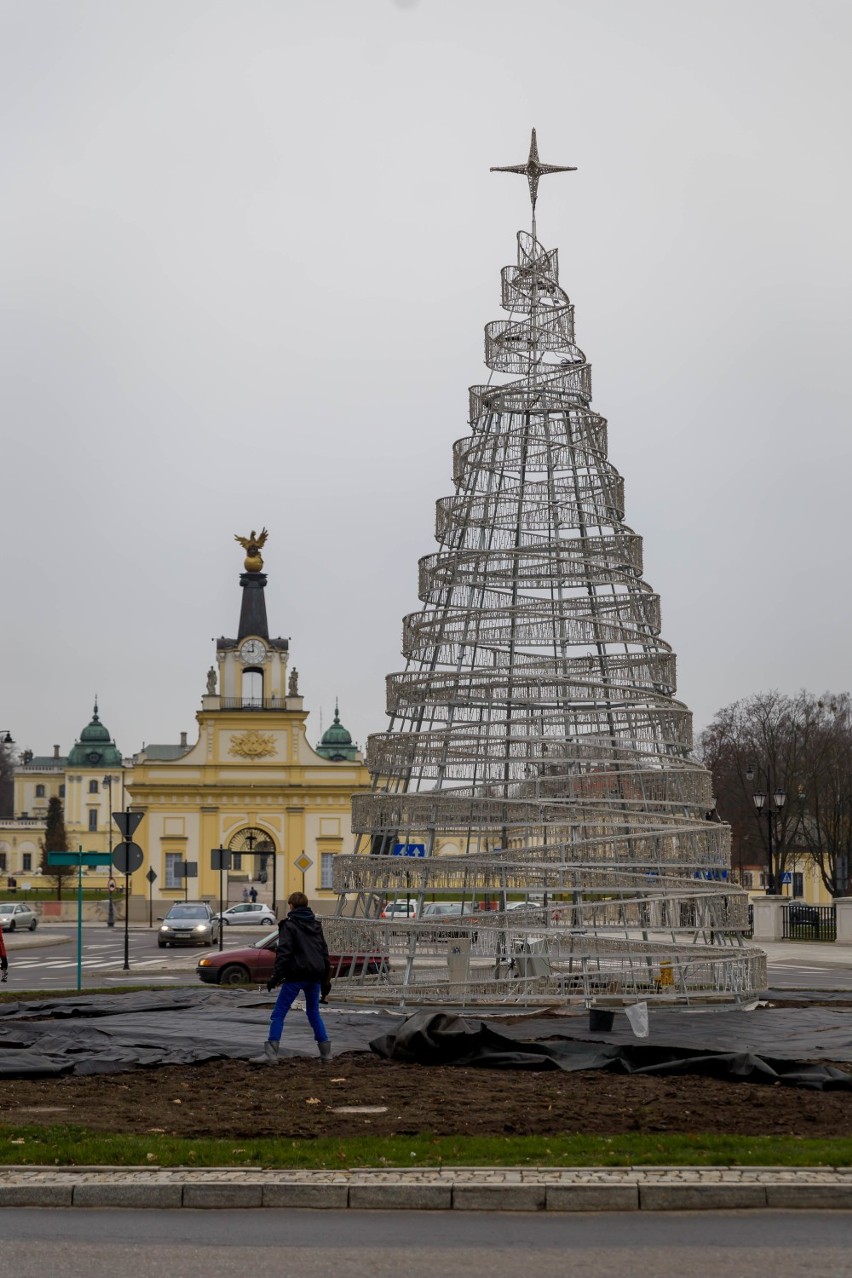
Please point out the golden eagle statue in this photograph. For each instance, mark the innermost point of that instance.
(252, 545)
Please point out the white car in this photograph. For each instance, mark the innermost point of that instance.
(402, 908)
(14, 915)
(249, 912)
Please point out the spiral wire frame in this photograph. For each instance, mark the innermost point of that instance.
(536, 760)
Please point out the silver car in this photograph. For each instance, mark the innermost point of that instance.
(249, 912)
(188, 923)
(15, 915)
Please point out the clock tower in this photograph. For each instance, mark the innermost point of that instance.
(251, 783)
(252, 668)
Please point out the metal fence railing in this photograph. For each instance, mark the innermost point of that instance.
(809, 922)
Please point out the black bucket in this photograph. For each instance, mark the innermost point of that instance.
(600, 1019)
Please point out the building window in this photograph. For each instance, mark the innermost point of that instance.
(237, 860)
(93, 787)
(253, 689)
(326, 869)
(798, 883)
(173, 860)
(62, 792)
(747, 878)
(93, 819)
(39, 791)
(2, 862)
(27, 862)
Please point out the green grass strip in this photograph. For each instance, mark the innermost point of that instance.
(76, 1146)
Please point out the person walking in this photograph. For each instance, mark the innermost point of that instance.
(245, 894)
(253, 894)
(4, 961)
(301, 964)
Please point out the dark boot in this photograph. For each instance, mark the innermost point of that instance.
(270, 1052)
(325, 1052)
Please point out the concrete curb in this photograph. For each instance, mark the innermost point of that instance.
(17, 942)
(527, 1189)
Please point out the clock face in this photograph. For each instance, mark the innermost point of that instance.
(94, 756)
(252, 650)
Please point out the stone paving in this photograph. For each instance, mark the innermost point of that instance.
(439, 1188)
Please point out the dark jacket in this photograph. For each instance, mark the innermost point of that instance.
(301, 953)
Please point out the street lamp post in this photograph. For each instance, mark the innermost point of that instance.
(772, 803)
(110, 907)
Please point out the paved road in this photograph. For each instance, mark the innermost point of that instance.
(808, 975)
(55, 966)
(350, 1244)
(791, 966)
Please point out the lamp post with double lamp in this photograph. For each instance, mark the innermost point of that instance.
(771, 801)
(110, 907)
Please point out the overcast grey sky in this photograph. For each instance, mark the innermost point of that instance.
(247, 250)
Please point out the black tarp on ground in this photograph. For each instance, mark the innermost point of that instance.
(115, 1033)
(429, 1038)
(99, 1033)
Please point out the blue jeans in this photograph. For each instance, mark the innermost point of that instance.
(284, 1002)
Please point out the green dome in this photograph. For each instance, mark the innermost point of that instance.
(336, 734)
(95, 731)
(336, 743)
(95, 748)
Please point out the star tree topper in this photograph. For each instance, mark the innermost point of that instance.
(534, 169)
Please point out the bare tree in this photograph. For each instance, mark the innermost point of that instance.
(763, 746)
(826, 830)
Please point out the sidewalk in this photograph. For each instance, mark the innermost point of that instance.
(434, 1189)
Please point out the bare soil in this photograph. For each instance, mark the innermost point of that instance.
(299, 1098)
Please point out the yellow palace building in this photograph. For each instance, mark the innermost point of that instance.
(251, 783)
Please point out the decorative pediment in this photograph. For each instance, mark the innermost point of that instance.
(252, 744)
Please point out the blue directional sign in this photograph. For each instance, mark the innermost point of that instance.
(409, 849)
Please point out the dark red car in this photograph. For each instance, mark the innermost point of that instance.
(253, 964)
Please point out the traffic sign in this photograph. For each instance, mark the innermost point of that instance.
(151, 875)
(408, 849)
(303, 863)
(127, 822)
(111, 885)
(91, 859)
(127, 857)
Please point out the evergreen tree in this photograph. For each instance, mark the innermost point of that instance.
(55, 840)
(7, 777)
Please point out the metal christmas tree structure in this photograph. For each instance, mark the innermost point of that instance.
(536, 813)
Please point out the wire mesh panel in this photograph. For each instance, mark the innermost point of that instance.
(536, 772)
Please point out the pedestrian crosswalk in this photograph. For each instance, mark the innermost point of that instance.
(54, 965)
(88, 964)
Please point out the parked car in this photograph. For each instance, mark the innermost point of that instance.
(441, 909)
(189, 923)
(804, 915)
(442, 912)
(249, 912)
(14, 915)
(254, 963)
(403, 908)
